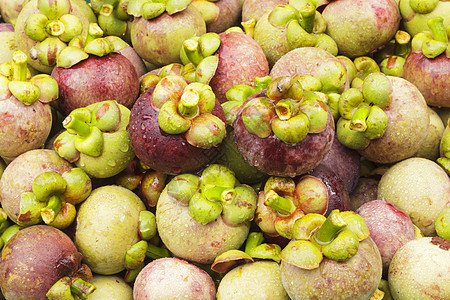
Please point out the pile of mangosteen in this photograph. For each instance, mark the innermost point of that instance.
(224, 149)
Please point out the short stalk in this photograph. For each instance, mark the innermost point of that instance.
(359, 117)
(81, 288)
(402, 43)
(77, 126)
(254, 239)
(94, 32)
(20, 66)
(308, 13)
(438, 29)
(55, 28)
(53, 207)
(280, 204)
(188, 105)
(332, 225)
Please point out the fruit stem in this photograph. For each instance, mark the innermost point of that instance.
(81, 288)
(254, 239)
(94, 31)
(280, 204)
(53, 207)
(188, 105)
(249, 27)
(155, 252)
(329, 228)
(402, 43)
(20, 66)
(308, 13)
(359, 117)
(438, 29)
(55, 28)
(76, 126)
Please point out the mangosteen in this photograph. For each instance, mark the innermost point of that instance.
(374, 118)
(419, 270)
(107, 226)
(256, 280)
(176, 126)
(430, 147)
(171, 278)
(284, 131)
(25, 112)
(428, 65)
(444, 149)
(415, 14)
(223, 60)
(41, 261)
(390, 227)
(219, 15)
(421, 194)
(96, 139)
(366, 190)
(287, 27)
(331, 257)
(45, 27)
(110, 287)
(92, 72)
(149, 32)
(361, 27)
(200, 217)
(41, 186)
(10, 9)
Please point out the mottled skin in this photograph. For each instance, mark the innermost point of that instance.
(360, 27)
(23, 127)
(430, 76)
(390, 227)
(418, 186)
(10, 9)
(79, 8)
(34, 259)
(345, 162)
(257, 8)
(229, 15)
(168, 153)
(356, 278)
(400, 140)
(173, 278)
(272, 156)
(420, 270)
(19, 175)
(156, 44)
(96, 79)
(258, 280)
(241, 59)
(302, 61)
(187, 239)
(338, 197)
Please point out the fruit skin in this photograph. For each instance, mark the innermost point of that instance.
(257, 8)
(401, 140)
(390, 227)
(418, 186)
(356, 278)
(241, 59)
(159, 46)
(419, 270)
(23, 127)
(34, 259)
(360, 27)
(19, 175)
(110, 287)
(257, 280)
(189, 240)
(106, 227)
(172, 278)
(430, 76)
(96, 79)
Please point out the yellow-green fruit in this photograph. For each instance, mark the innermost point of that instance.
(259, 280)
(110, 287)
(418, 186)
(107, 226)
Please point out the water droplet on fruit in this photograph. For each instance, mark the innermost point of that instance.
(111, 163)
(124, 148)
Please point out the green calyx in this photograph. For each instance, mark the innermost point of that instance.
(336, 237)
(187, 108)
(150, 9)
(362, 115)
(213, 194)
(438, 44)
(15, 80)
(68, 288)
(85, 129)
(287, 111)
(53, 27)
(50, 192)
(80, 47)
(199, 55)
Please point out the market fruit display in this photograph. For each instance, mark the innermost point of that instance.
(224, 149)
